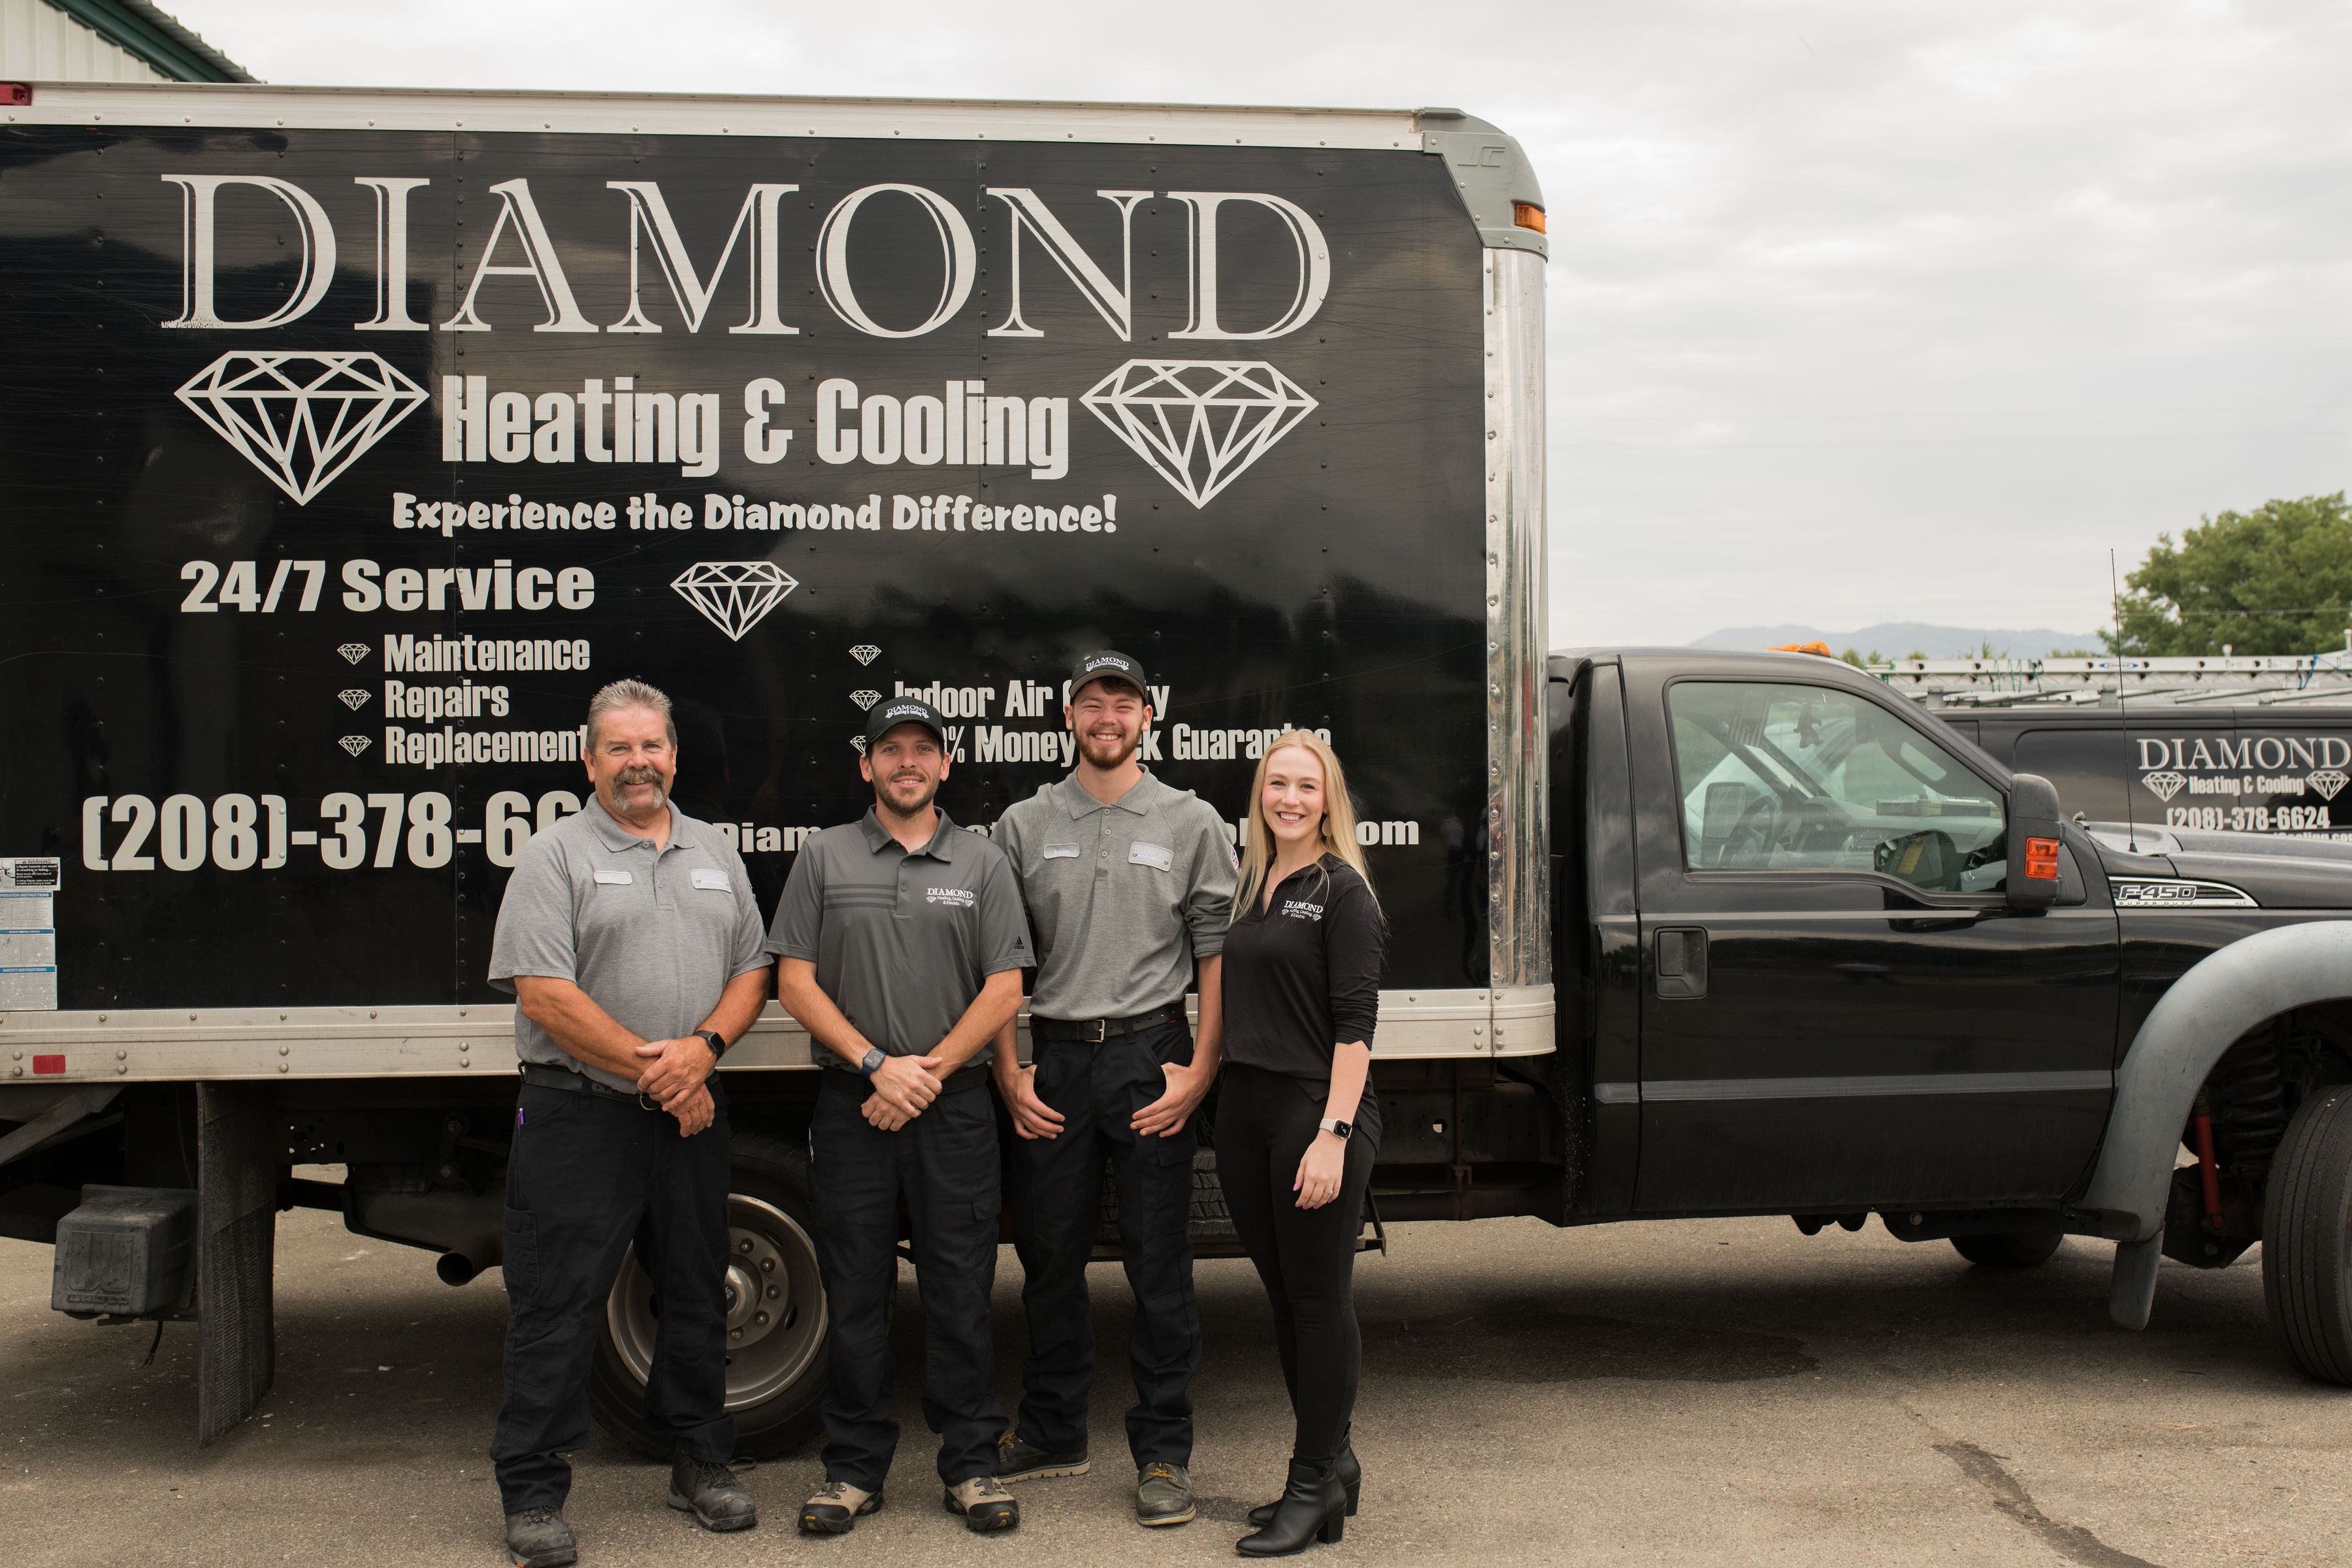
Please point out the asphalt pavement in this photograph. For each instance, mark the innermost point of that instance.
(1700, 1392)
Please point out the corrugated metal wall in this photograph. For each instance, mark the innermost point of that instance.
(40, 43)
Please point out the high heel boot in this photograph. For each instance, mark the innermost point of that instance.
(1313, 1507)
(1351, 1474)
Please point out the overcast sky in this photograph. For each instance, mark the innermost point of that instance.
(1858, 311)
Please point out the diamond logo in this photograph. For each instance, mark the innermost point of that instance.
(734, 595)
(2326, 780)
(866, 653)
(353, 698)
(353, 652)
(301, 418)
(858, 741)
(1198, 423)
(354, 744)
(866, 699)
(2164, 784)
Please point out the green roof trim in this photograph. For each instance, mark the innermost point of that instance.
(138, 29)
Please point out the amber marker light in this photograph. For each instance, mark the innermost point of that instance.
(1526, 215)
(15, 94)
(2041, 859)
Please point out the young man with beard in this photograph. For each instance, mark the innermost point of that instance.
(1128, 883)
(902, 944)
(630, 938)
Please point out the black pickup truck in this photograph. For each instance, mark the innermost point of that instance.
(1818, 955)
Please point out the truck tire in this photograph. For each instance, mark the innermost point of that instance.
(2307, 1254)
(775, 1355)
(2009, 1248)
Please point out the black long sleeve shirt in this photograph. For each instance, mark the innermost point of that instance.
(1302, 975)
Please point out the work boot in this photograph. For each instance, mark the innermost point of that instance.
(836, 1508)
(538, 1538)
(984, 1504)
(708, 1490)
(1163, 1495)
(1020, 1461)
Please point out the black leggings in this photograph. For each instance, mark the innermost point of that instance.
(1306, 1257)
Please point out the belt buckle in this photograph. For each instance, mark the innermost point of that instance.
(644, 1103)
(1092, 1031)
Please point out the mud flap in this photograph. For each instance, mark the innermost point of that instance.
(2131, 1294)
(237, 1231)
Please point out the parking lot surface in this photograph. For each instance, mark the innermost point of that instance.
(1699, 1392)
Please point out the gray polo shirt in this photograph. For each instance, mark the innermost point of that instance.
(901, 943)
(653, 936)
(1123, 897)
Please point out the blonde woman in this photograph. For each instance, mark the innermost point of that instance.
(1295, 1128)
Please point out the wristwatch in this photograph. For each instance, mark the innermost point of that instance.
(715, 1041)
(1333, 1124)
(874, 1056)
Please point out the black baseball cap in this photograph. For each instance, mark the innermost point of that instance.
(885, 717)
(1108, 664)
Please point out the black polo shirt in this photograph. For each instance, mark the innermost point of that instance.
(1303, 975)
(902, 942)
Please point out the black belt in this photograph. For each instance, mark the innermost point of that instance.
(846, 1080)
(1094, 1031)
(574, 1082)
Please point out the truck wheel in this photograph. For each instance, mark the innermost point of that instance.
(775, 1320)
(2009, 1248)
(2307, 1254)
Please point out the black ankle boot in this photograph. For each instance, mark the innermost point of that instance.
(1351, 1474)
(1313, 1507)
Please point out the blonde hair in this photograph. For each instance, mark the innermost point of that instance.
(1336, 830)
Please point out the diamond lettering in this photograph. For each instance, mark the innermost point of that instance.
(2327, 781)
(866, 653)
(353, 698)
(734, 595)
(1198, 423)
(353, 652)
(2166, 784)
(866, 699)
(354, 744)
(301, 418)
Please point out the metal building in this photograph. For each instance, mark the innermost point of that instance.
(105, 40)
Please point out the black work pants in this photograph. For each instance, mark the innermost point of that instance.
(1307, 1257)
(944, 1164)
(585, 1172)
(1057, 1207)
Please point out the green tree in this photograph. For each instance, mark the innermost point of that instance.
(2274, 580)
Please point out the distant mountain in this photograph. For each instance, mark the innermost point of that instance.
(1896, 638)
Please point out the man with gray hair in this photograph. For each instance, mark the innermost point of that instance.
(631, 939)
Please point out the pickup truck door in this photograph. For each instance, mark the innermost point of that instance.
(1839, 1010)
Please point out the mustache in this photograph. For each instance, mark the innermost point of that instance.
(638, 777)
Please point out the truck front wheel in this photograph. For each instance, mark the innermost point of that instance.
(2306, 1253)
(2009, 1248)
(775, 1315)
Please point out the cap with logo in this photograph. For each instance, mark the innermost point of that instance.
(1108, 664)
(885, 717)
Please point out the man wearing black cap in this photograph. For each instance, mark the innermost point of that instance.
(1129, 884)
(901, 943)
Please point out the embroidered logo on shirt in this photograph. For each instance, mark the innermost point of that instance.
(959, 898)
(1300, 910)
(1061, 852)
(1157, 855)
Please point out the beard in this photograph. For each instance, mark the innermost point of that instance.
(627, 777)
(908, 798)
(1112, 755)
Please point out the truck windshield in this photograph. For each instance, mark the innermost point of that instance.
(1788, 777)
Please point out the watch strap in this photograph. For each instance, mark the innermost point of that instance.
(1333, 1124)
(714, 1039)
(874, 1056)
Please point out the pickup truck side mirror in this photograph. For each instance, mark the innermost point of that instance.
(2032, 843)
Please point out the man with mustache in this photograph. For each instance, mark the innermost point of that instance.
(631, 939)
(1128, 883)
(902, 944)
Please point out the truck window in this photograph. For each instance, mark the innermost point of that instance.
(1807, 778)
(2092, 771)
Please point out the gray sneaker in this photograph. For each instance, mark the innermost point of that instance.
(1163, 1495)
(538, 1538)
